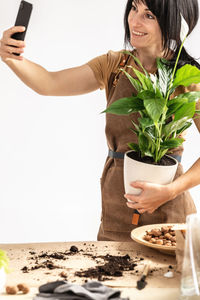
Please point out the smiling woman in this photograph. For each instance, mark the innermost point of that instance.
(146, 34)
(144, 30)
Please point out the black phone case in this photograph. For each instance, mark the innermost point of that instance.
(23, 17)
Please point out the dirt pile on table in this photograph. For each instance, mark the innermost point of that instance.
(49, 263)
(113, 267)
(107, 266)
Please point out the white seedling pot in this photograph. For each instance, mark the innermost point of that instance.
(2, 279)
(136, 170)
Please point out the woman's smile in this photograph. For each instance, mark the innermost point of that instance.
(138, 33)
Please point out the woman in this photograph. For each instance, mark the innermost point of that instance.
(152, 28)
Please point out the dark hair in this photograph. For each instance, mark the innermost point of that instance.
(168, 14)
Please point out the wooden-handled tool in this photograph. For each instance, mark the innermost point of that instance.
(142, 283)
(135, 218)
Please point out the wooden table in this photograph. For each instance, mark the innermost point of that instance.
(158, 287)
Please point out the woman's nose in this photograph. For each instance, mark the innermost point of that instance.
(136, 20)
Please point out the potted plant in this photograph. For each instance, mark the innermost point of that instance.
(162, 118)
(3, 268)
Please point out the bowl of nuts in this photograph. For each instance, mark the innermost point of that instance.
(158, 236)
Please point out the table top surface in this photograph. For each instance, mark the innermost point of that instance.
(40, 265)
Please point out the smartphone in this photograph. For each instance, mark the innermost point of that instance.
(23, 17)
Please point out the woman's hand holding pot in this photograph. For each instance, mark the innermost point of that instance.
(151, 197)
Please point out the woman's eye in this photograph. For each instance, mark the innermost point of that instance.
(134, 8)
(149, 16)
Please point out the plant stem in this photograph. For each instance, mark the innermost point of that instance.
(158, 134)
(174, 70)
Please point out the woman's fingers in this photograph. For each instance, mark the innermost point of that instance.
(9, 32)
(141, 211)
(140, 208)
(133, 198)
(8, 45)
(12, 50)
(7, 55)
(134, 205)
(7, 52)
(13, 42)
(137, 206)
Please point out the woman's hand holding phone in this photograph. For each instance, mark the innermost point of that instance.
(8, 45)
(12, 43)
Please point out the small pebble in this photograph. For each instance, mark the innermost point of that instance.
(169, 274)
(11, 290)
(74, 249)
(170, 267)
(23, 288)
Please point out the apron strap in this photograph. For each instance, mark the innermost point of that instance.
(120, 155)
(122, 64)
(114, 154)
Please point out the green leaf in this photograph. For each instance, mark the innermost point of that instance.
(164, 73)
(134, 131)
(172, 143)
(4, 261)
(155, 107)
(161, 153)
(187, 75)
(138, 62)
(173, 126)
(135, 125)
(158, 92)
(145, 81)
(151, 132)
(145, 122)
(191, 96)
(148, 153)
(134, 146)
(135, 83)
(146, 94)
(156, 86)
(175, 106)
(151, 144)
(186, 126)
(177, 100)
(186, 110)
(143, 142)
(125, 106)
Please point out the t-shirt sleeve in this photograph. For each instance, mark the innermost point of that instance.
(104, 65)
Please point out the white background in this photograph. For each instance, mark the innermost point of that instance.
(52, 149)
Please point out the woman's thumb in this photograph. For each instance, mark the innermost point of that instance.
(138, 184)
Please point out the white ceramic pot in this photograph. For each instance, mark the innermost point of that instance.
(136, 170)
(2, 279)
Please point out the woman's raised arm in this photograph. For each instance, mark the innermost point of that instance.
(68, 82)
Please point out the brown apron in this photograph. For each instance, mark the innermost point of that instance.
(116, 217)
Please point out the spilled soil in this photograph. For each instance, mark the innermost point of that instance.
(108, 266)
(113, 267)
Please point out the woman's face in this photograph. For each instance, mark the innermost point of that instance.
(144, 29)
